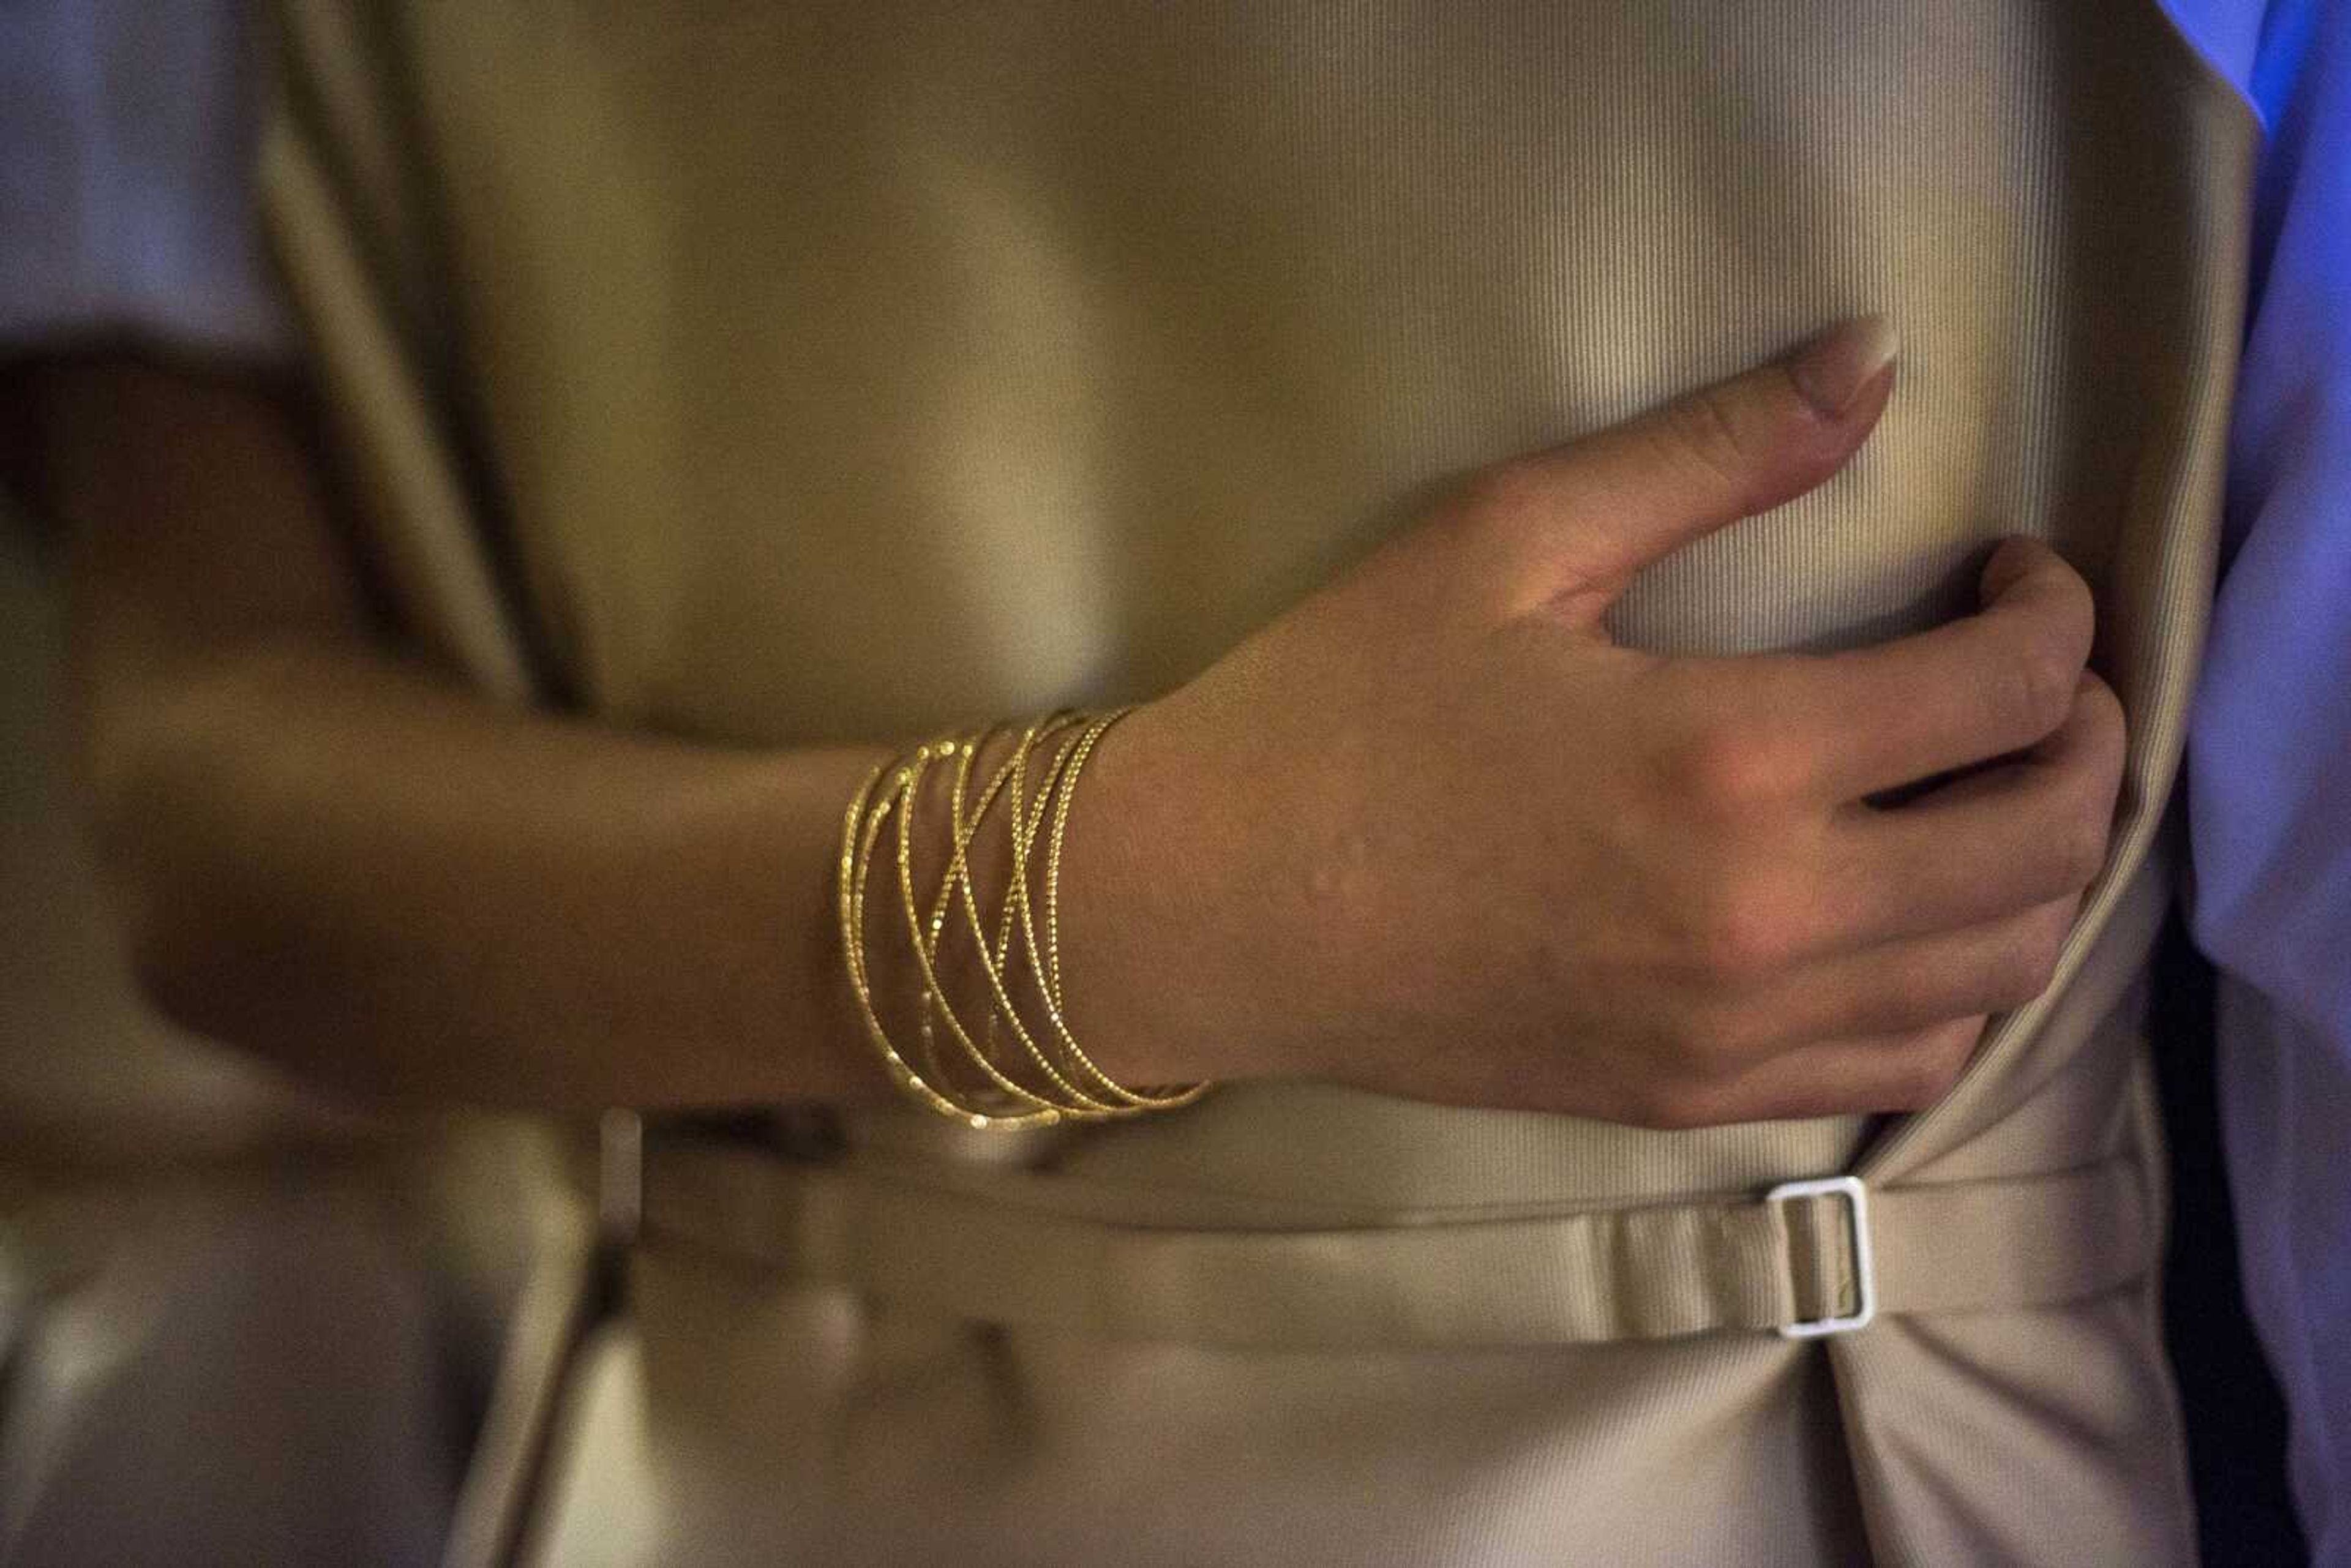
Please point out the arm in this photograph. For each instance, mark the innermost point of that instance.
(325, 853)
(2269, 764)
(1660, 894)
(338, 859)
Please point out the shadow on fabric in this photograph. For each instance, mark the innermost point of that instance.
(2235, 1415)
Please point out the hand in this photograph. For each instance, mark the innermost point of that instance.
(1434, 833)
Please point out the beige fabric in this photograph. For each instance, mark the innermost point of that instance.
(562, 1298)
(844, 369)
(237, 1325)
(276, 1360)
(1039, 1251)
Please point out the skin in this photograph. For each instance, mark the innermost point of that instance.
(1504, 862)
(1430, 832)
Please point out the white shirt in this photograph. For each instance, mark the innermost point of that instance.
(127, 130)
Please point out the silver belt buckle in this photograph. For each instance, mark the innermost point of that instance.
(1864, 1269)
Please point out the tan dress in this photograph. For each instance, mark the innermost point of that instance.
(845, 369)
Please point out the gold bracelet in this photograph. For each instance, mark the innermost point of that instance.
(861, 828)
(1070, 1101)
(1051, 1078)
(1047, 965)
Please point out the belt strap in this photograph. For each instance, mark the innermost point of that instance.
(1006, 1246)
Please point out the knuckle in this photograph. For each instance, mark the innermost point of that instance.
(1956, 1047)
(2032, 691)
(2010, 985)
(2057, 921)
(1748, 947)
(2066, 610)
(2099, 710)
(2054, 929)
(1734, 770)
(1931, 1080)
(1502, 490)
(2024, 970)
(2076, 610)
(2081, 616)
(1928, 1070)
(1703, 431)
(2082, 851)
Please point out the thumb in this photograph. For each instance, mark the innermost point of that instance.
(1585, 516)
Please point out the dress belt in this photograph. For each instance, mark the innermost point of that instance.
(1019, 1247)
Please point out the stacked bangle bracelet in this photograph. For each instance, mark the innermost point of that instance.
(1023, 1067)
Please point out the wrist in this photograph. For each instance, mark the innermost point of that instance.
(1157, 992)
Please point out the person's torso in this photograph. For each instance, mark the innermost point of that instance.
(848, 371)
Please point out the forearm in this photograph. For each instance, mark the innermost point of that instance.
(1431, 832)
(353, 865)
(373, 878)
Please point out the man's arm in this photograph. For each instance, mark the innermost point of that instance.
(2269, 763)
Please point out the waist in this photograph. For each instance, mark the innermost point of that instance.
(1309, 1214)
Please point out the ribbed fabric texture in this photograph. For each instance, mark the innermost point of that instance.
(850, 369)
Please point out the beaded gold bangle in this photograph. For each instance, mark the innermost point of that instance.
(984, 1082)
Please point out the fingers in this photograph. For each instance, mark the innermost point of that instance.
(1572, 524)
(1862, 1076)
(1974, 689)
(1899, 987)
(1860, 981)
(1772, 881)
(2007, 839)
(1878, 1030)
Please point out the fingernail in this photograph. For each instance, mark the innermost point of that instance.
(1832, 369)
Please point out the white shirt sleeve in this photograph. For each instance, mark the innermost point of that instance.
(127, 139)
